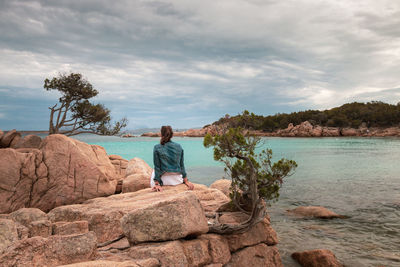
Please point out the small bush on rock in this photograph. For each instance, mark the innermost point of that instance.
(256, 180)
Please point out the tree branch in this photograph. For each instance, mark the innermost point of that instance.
(58, 118)
(69, 120)
(65, 114)
(256, 216)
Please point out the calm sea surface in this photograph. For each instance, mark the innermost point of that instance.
(357, 177)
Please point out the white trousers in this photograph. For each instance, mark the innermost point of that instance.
(168, 178)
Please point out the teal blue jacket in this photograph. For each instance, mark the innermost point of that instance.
(168, 158)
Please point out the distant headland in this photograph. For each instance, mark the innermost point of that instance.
(354, 119)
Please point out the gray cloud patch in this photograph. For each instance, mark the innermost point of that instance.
(203, 59)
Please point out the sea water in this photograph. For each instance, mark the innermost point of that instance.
(356, 177)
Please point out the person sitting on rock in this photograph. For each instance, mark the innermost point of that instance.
(169, 168)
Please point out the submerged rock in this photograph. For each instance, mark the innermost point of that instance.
(316, 258)
(316, 212)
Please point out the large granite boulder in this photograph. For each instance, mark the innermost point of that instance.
(120, 165)
(63, 171)
(224, 185)
(135, 182)
(29, 141)
(52, 251)
(138, 174)
(8, 138)
(262, 232)
(19, 181)
(17, 138)
(104, 214)
(137, 165)
(171, 218)
(317, 258)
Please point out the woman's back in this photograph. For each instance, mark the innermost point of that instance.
(169, 157)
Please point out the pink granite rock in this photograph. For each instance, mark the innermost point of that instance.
(317, 258)
(171, 218)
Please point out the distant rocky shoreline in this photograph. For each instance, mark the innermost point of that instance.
(305, 129)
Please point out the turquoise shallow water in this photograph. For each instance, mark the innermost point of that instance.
(358, 177)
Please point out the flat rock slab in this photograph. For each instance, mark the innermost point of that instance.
(171, 218)
(315, 212)
(104, 214)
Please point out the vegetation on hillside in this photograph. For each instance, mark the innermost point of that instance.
(74, 114)
(371, 114)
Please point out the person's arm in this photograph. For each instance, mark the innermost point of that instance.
(182, 163)
(184, 174)
(157, 168)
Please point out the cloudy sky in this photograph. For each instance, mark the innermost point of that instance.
(188, 63)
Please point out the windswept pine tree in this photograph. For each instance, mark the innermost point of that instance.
(74, 114)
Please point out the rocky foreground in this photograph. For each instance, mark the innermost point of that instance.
(305, 129)
(65, 202)
(59, 206)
